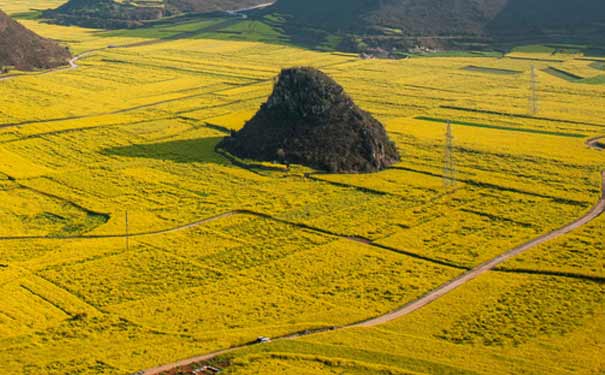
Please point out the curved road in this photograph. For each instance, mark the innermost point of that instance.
(596, 211)
(435, 294)
(407, 309)
(73, 62)
(72, 65)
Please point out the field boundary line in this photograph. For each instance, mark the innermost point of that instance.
(407, 309)
(596, 211)
(361, 240)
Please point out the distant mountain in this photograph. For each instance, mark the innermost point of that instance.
(25, 50)
(447, 18)
(103, 14)
(109, 14)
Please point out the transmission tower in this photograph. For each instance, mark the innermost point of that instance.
(449, 172)
(533, 95)
(127, 234)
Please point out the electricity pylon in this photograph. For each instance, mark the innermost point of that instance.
(533, 95)
(449, 172)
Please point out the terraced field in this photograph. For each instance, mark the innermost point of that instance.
(223, 251)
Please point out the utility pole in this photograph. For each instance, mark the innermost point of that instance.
(533, 95)
(449, 172)
(127, 244)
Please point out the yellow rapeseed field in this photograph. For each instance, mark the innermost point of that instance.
(220, 254)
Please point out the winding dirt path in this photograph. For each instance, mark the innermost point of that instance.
(435, 294)
(73, 64)
(596, 211)
(122, 235)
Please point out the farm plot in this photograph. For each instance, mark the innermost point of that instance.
(497, 324)
(221, 253)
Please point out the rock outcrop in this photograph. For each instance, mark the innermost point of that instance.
(24, 50)
(310, 120)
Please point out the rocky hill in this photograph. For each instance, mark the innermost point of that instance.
(24, 50)
(310, 120)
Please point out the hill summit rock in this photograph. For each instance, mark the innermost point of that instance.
(25, 50)
(310, 120)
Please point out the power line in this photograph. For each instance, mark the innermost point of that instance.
(127, 235)
(533, 95)
(449, 171)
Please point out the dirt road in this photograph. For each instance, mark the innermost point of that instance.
(73, 64)
(596, 211)
(206, 29)
(122, 235)
(435, 294)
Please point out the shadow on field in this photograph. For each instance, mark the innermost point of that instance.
(182, 151)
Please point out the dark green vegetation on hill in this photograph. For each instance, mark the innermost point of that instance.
(103, 14)
(310, 120)
(444, 23)
(25, 50)
(382, 28)
(110, 14)
(205, 6)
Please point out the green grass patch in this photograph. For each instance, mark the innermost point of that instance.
(597, 80)
(32, 15)
(534, 48)
(247, 30)
(570, 77)
(343, 352)
(459, 53)
(560, 73)
(599, 65)
(482, 69)
(498, 127)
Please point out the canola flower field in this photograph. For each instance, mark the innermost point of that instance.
(133, 130)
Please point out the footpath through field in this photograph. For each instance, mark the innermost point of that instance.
(599, 208)
(435, 294)
(236, 13)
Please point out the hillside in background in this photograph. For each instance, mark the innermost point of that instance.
(25, 50)
(103, 14)
(111, 14)
(436, 23)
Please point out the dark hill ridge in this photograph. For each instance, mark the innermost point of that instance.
(25, 50)
(110, 14)
(446, 18)
(310, 120)
(102, 14)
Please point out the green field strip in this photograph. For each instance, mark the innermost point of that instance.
(518, 115)
(482, 69)
(498, 127)
(563, 74)
(534, 59)
(598, 65)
